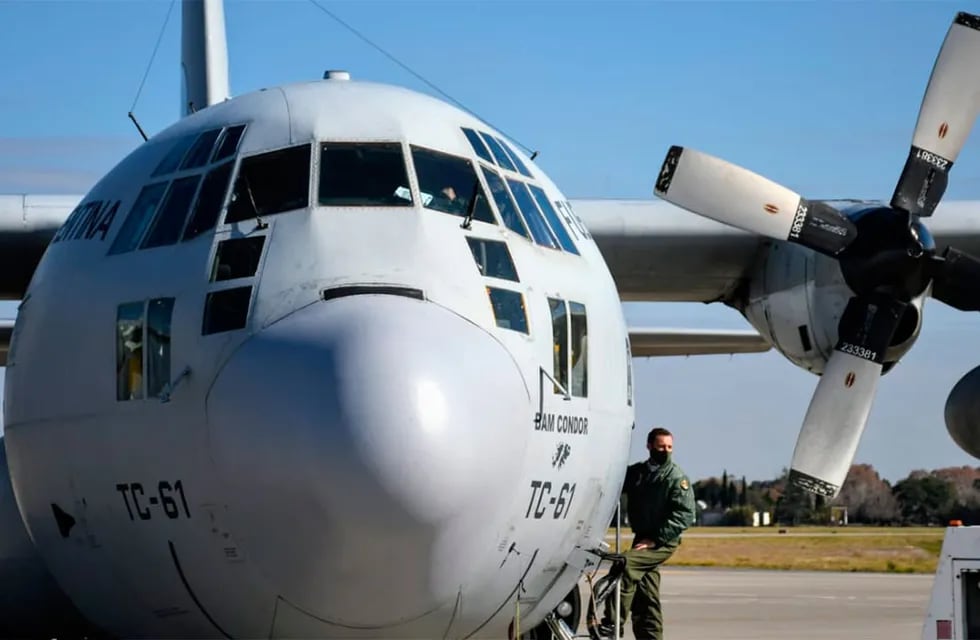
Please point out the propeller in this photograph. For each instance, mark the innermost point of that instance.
(887, 255)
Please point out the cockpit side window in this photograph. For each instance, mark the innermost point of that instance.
(498, 152)
(363, 174)
(521, 167)
(201, 151)
(228, 144)
(139, 217)
(539, 228)
(211, 198)
(449, 184)
(505, 204)
(552, 216)
(478, 145)
(270, 183)
(172, 160)
(171, 215)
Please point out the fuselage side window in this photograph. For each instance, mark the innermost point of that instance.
(552, 216)
(237, 258)
(363, 174)
(226, 310)
(129, 351)
(449, 184)
(158, 317)
(498, 152)
(505, 204)
(139, 217)
(478, 145)
(493, 258)
(521, 167)
(201, 151)
(170, 217)
(172, 160)
(539, 228)
(210, 200)
(269, 183)
(579, 350)
(559, 327)
(228, 144)
(508, 309)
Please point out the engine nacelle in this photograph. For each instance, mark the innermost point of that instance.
(31, 603)
(963, 413)
(795, 298)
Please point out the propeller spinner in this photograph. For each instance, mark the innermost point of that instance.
(886, 258)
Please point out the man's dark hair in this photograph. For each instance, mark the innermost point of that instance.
(658, 431)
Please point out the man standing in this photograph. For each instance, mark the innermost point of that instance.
(660, 506)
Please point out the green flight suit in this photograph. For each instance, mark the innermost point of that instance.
(660, 506)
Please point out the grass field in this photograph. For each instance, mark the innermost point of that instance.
(885, 549)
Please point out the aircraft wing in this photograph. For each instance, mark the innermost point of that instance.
(27, 224)
(691, 342)
(658, 252)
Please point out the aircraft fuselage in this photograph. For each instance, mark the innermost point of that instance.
(293, 385)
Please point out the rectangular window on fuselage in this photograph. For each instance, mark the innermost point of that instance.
(237, 258)
(579, 350)
(559, 332)
(129, 351)
(493, 258)
(158, 317)
(508, 309)
(226, 310)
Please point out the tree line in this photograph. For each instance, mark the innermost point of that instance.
(922, 498)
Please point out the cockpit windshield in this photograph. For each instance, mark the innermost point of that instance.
(449, 184)
(270, 183)
(358, 174)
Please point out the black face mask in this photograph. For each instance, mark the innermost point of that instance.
(659, 457)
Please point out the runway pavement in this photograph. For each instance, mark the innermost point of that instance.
(737, 604)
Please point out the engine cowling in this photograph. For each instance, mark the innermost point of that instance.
(31, 603)
(795, 298)
(962, 413)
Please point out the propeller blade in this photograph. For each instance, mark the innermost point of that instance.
(949, 108)
(842, 401)
(717, 189)
(956, 280)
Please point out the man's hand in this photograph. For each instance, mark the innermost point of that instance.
(644, 544)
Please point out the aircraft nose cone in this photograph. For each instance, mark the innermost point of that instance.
(370, 444)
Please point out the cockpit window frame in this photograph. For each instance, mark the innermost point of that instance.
(480, 213)
(409, 174)
(236, 173)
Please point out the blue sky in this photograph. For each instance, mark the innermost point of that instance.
(820, 96)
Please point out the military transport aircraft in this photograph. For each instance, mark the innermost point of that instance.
(344, 362)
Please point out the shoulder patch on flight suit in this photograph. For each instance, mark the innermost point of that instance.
(684, 484)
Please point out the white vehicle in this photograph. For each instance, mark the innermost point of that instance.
(954, 607)
(335, 359)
